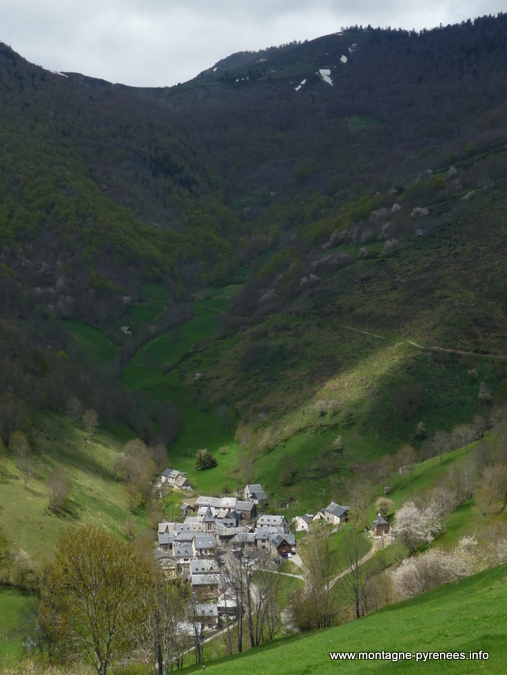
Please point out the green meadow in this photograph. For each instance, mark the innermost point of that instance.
(469, 616)
(12, 604)
(95, 496)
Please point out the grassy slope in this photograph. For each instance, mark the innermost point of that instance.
(95, 494)
(430, 292)
(12, 603)
(200, 425)
(468, 616)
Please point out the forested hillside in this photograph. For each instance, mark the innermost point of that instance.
(337, 205)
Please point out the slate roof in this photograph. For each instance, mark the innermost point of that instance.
(206, 610)
(337, 510)
(183, 551)
(271, 521)
(165, 539)
(184, 537)
(380, 520)
(205, 541)
(160, 554)
(208, 518)
(245, 506)
(255, 490)
(308, 518)
(203, 567)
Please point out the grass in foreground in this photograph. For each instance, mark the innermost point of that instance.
(468, 616)
(12, 603)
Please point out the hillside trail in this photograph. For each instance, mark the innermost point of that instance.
(431, 348)
(377, 545)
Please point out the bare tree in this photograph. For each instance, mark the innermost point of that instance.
(90, 422)
(18, 444)
(407, 456)
(3, 450)
(462, 435)
(266, 593)
(158, 454)
(352, 550)
(441, 443)
(74, 408)
(165, 607)
(360, 495)
(58, 486)
(313, 607)
(246, 467)
(495, 477)
(462, 479)
(385, 467)
(444, 501)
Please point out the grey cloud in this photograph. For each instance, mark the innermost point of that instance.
(162, 42)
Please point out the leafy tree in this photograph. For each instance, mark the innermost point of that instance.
(135, 467)
(91, 595)
(383, 505)
(205, 460)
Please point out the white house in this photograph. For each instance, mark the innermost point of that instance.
(302, 523)
(255, 493)
(273, 523)
(336, 514)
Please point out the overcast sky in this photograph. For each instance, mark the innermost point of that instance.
(163, 42)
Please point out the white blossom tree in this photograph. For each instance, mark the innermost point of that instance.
(416, 526)
(429, 570)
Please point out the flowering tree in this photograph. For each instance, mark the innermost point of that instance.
(416, 526)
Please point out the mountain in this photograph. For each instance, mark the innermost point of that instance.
(338, 204)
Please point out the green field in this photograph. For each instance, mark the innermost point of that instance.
(468, 616)
(95, 347)
(12, 603)
(95, 496)
(201, 425)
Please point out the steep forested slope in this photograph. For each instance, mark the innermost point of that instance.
(351, 183)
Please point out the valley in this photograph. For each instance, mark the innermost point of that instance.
(296, 262)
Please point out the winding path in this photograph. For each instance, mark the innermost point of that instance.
(432, 348)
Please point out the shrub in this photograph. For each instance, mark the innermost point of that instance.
(205, 460)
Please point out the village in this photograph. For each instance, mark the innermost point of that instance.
(213, 535)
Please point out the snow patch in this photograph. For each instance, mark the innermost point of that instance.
(343, 58)
(215, 70)
(353, 48)
(55, 72)
(324, 74)
(303, 82)
(261, 60)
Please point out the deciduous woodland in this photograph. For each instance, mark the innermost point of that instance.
(253, 357)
